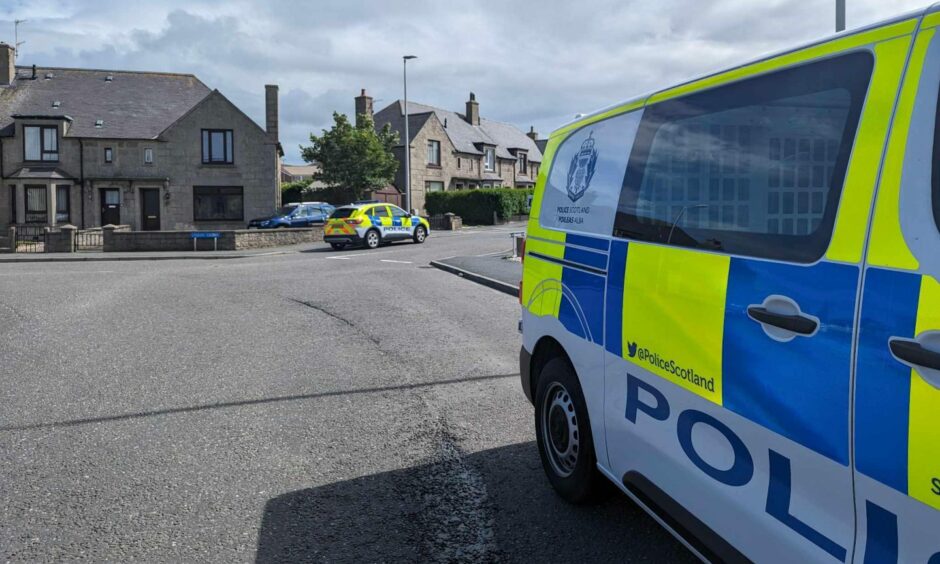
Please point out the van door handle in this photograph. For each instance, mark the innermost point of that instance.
(914, 353)
(798, 324)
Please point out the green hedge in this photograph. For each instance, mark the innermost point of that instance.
(477, 206)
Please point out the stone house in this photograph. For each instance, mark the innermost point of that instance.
(454, 151)
(150, 150)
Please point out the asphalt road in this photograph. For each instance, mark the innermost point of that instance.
(321, 406)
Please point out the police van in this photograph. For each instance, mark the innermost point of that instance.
(731, 307)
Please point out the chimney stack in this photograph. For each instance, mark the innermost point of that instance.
(532, 134)
(473, 110)
(7, 64)
(270, 111)
(363, 106)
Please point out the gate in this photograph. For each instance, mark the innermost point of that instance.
(29, 239)
(89, 240)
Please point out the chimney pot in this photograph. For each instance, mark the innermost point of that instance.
(532, 134)
(271, 111)
(7, 64)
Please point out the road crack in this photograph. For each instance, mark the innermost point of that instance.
(339, 318)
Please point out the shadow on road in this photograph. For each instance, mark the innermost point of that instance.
(383, 517)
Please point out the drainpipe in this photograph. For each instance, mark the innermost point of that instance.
(81, 177)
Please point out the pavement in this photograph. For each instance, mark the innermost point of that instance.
(499, 271)
(303, 407)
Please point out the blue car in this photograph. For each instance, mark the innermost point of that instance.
(303, 214)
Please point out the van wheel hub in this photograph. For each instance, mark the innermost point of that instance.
(560, 428)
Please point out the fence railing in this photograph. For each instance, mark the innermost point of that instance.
(29, 239)
(89, 239)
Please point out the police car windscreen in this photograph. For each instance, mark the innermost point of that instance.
(342, 212)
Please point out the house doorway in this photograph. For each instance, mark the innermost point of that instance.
(150, 209)
(110, 206)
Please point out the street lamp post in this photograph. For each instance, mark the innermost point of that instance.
(840, 15)
(404, 61)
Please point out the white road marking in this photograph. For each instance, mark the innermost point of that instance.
(396, 261)
(50, 272)
(340, 258)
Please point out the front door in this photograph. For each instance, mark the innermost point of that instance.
(110, 206)
(897, 381)
(150, 209)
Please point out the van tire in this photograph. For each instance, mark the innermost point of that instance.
(373, 239)
(562, 424)
(420, 234)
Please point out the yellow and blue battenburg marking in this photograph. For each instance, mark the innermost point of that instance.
(897, 441)
(682, 315)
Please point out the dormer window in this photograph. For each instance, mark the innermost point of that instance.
(489, 159)
(522, 159)
(41, 143)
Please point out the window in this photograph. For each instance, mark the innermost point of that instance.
(459, 185)
(218, 203)
(40, 143)
(433, 186)
(108, 155)
(63, 205)
(217, 146)
(459, 163)
(753, 168)
(522, 159)
(36, 201)
(148, 156)
(398, 212)
(434, 153)
(379, 211)
(489, 159)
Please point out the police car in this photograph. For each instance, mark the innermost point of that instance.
(731, 307)
(372, 224)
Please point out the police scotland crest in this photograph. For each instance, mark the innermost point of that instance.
(581, 169)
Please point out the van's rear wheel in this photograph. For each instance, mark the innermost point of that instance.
(563, 433)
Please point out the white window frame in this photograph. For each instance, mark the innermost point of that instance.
(148, 155)
(434, 152)
(489, 159)
(522, 161)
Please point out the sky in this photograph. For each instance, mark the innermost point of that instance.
(530, 63)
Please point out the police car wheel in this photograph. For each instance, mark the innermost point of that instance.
(563, 433)
(373, 239)
(337, 246)
(420, 234)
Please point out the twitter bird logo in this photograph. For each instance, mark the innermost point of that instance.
(631, 349)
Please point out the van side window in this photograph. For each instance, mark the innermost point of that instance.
(753, 168)
(584, 183)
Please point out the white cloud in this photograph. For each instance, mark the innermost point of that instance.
(529, 62)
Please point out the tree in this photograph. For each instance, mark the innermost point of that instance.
(353, 157)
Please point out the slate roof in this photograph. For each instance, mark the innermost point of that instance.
(466, 138)
(132, 105)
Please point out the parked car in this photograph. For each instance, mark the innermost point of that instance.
(303, 214)
(372, 224)
(731, 303)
